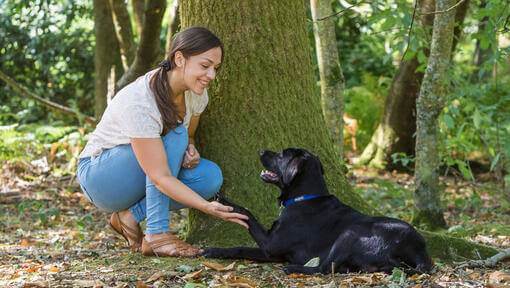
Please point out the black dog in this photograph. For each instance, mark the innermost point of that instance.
(316, 224)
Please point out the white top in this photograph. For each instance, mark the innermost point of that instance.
(133, 113)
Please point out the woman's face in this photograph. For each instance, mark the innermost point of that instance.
(200, 69)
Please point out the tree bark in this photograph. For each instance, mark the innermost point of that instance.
(52, 105)
(265, 98)
(430, 101)
(173, 25)
(124, 32)
(395, 133)
(149, 50)
(332, 78)
(482, 54)
(138, 15)
(106, 54)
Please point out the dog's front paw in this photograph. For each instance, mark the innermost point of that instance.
(222, 199)
(213, 253)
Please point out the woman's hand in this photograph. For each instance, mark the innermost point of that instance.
(224, 212)
(191, 157)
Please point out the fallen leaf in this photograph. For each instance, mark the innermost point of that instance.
(37, 284)
(32, 270)
(155, 277)
(25, 243)
(218, 266)
(498, 276)
(241, 282)
(53, 269)
(193, 274)
(141, 284)
(89, 283)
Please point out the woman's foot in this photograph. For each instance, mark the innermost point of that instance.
(167, 244)
(125, 224)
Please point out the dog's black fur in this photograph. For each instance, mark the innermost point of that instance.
(324, 227)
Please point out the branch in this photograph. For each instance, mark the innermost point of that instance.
(487, 262)
(444, 11)
(52, 105)
(341, 11)
(410, 31)
(124, 32)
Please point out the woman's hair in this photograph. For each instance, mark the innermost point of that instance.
(190, 41)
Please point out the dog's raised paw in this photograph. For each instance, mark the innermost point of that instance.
(212, 253)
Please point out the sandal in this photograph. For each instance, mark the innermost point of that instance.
(132, 235)
(179, 249)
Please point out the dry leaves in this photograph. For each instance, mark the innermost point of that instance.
(218, 267)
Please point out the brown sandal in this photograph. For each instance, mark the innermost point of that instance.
(179, 249)
(129, 233)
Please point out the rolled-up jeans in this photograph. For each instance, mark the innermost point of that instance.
(114, 181)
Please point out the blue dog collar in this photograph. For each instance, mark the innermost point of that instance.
(299, 199)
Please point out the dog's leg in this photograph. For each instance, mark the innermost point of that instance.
(258, 232)
(296, 268)
(255, 254)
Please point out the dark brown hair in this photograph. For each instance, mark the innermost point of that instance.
(190, 41)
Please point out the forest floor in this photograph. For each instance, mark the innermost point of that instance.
(51, 236)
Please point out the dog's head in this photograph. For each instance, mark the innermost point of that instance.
(290, 168)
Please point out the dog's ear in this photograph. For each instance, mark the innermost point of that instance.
(292, 169)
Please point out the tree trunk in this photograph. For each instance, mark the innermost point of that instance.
(106, 54)
(124, 32)
(265, 98)
(149, 50)
(138, 15)
(427, 201)
(332, 78)
(395, 133)
(173, 24)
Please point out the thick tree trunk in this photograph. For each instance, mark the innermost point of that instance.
(264, 98)
(395, 133)
(173, 25)
(427, 201)
(138, 15)
(124, 32)
(106, 54)
(332, 78)
(149, 50)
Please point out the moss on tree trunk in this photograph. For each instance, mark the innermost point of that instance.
(264, 98)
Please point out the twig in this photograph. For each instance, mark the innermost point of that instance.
(410, 31)
(341, 11)
(487, 262)
(444, 11)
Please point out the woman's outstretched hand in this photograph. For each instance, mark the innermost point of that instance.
(224, 212)
(191, 157)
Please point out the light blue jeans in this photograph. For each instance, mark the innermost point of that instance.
(114, 181)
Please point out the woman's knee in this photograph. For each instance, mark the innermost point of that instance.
(211, 179)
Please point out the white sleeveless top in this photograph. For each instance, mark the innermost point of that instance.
(133, 113)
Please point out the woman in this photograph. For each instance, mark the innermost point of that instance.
(141, 161)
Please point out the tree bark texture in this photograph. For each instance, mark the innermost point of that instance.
(106, 54)
(395, 132)
(149, 50)
(138, 15)
(264, 98)
(173, 25)
(124, 32)
(427, 201)
(330, 70)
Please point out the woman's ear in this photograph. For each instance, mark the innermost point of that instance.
(179, 59)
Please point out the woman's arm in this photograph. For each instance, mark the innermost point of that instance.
(151, 156)
(192, 128)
